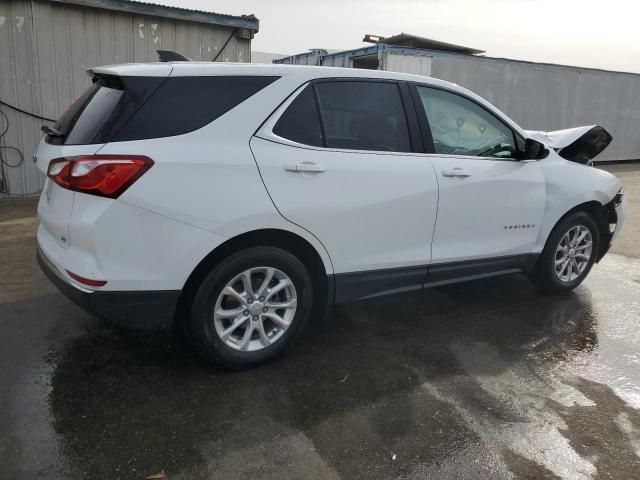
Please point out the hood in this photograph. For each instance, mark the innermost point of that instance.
(580, 144)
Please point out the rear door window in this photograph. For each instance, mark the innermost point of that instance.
(363, 115)
(117, 109)
(301, 122)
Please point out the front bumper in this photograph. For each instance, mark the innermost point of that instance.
(147, 310)
(613, 216)
(619, 218)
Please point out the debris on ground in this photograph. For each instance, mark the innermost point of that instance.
(158, 476)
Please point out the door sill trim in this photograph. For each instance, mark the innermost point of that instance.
(366, 284)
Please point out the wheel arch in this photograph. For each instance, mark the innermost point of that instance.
(602, 215)
(284, 239)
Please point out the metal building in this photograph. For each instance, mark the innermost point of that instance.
(537, 96)
(46, 46)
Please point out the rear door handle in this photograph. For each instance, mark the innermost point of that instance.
(304, 168)
(456, 172)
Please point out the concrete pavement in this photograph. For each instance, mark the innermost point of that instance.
(487, 379)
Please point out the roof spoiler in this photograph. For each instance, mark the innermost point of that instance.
(169, 56)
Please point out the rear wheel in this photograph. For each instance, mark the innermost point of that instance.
(569, 253)
(251, 307)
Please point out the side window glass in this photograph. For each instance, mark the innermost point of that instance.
(300, 122)
(363, 116)
(190, 103)
(461, 127)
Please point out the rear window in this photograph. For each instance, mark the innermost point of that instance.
(116, 109)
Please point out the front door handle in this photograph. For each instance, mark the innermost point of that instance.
(456, 172)
(304, 168)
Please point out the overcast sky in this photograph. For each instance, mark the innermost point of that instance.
(601, 34)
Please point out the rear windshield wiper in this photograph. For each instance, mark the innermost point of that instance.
(54, 132)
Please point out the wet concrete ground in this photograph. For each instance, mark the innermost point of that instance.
(489, 379)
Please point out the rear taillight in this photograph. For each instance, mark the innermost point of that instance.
(103, 175)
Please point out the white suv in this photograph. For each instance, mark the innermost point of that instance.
(240, 199)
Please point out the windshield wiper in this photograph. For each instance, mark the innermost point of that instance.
(54, 132)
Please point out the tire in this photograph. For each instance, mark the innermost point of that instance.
(249, 340)
(545, 274)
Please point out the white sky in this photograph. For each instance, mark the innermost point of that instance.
(602, 34)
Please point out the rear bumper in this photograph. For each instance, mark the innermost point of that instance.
(148, 310)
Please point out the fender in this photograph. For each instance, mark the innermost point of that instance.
(568, 185)
(554, 216)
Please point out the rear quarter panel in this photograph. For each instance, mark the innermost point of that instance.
(209, 178)
(133, 248)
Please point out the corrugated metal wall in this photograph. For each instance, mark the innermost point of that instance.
(337, 60)
(537, 96)
(46, 47)
(553, 97)
(406, 63)
(312, 57)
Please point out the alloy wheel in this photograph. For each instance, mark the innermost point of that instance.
(573, 253)
(255, 309)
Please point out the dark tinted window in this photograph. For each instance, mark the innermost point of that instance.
(462, 127)
(68, 118)
(136, 108)
(364, 116)
(184, 104)
(90, 122)
(104, 109)
(300, 122)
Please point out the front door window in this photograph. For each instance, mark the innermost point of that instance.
(461, 127)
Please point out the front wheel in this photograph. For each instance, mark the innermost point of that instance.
(569, 254)
(251, 307)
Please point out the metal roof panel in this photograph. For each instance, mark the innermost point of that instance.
(143, 8)
(414, 41)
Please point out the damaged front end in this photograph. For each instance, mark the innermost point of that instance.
(580, 144)
(610, 220)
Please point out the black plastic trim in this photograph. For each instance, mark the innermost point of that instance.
(171, 56)
(372, 283)
(444, 272)
(140, 310)
(413, 123)
(423, 121)
(316, 98)
(608, 215)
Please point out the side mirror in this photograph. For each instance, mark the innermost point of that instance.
(534, 150)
